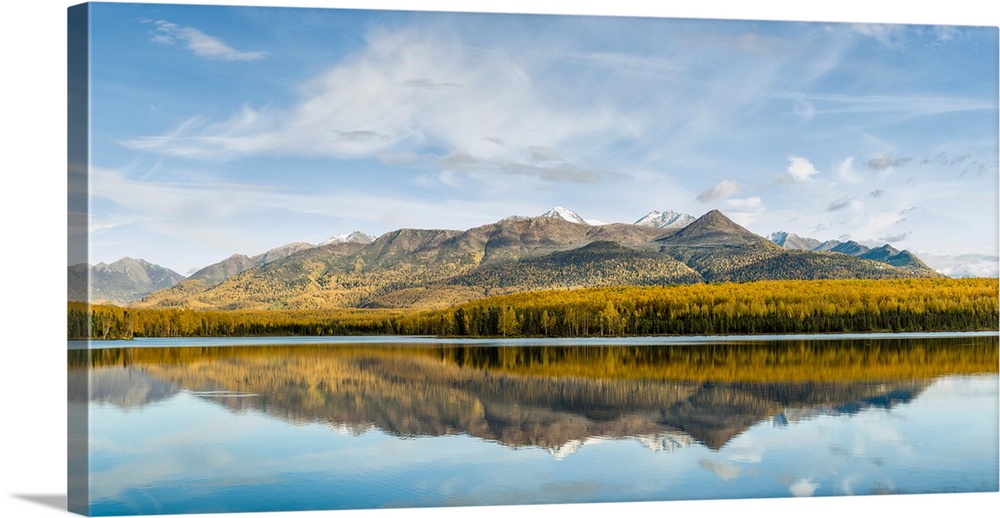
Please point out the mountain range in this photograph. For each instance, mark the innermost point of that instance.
(884, 254)
(119, 282)
(427, 268)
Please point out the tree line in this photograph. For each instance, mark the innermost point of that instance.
(762, 307)
(109, 322)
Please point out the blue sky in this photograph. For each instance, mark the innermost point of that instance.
(221, 130)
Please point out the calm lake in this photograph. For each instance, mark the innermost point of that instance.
(231, 425)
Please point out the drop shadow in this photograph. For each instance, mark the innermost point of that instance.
(53, 501)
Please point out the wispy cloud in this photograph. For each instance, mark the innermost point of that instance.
(201, 44)
(426, 114)
(891, 108)
(745, 211)
(965, 163)
(964, 265)
(804, 110)
(409, 92)
(894, 238)
(869, 225)
(845, 171)
(97, 225)
(946, 158)
(173, 202)
(886, 35)
(196, 211)
(629, 63)
(839, 205)
(720, 191)
(887, 161)
(547, 168)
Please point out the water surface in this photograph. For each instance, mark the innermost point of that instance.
(229, 427)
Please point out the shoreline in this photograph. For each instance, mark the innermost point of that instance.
(291, 340)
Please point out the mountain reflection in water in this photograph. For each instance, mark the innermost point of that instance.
(553, 397)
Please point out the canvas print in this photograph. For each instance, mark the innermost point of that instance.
(339, 259)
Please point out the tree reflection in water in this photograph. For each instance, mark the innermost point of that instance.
(545, 396)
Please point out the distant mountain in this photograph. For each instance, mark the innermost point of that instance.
(121, 282)
(884, 254)
(214, 274)
(899, 259)
(565, 214)
(669, 219)
(600, 263)
(793, 241)
(281, 252)
(779, 238)
(222, 270)
(826, 246)
(722, 251)
(850, 248)
(528, 237)
(428, 268)
(717, 248)
(353, 237)
(635, 236)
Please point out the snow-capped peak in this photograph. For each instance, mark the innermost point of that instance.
(353, 237)
(565, 214)
(668, 219)
(778, 237)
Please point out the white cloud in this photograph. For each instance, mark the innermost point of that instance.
(800, 169)
(167, 33)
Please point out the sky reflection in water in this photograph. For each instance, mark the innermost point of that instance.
(266, 429)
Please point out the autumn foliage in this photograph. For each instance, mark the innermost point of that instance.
(763, 307)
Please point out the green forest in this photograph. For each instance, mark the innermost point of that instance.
(761, 307)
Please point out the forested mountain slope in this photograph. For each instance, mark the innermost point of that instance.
(428, 268)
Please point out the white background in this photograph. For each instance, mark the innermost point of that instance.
(33, 237)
